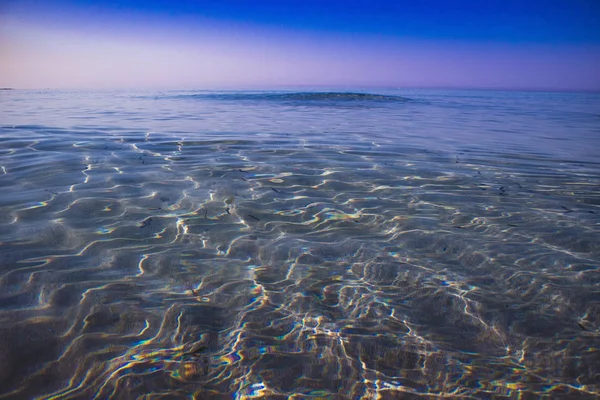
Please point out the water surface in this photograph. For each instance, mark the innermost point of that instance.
(313, 244)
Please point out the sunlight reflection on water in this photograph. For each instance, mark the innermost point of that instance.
(213, 244)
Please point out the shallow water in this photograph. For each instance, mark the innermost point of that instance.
(383, 244)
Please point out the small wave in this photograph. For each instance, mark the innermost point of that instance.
(296, 97)
(337, 96)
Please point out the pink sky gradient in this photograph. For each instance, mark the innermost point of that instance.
(43, 56)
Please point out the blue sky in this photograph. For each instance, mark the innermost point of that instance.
(547, 21)
(551, 44)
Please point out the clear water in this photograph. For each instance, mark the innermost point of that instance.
(293, 244)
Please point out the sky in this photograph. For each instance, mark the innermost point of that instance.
(508, 44)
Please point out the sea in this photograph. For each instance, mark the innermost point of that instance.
(299, 244)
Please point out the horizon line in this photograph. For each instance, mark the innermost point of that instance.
(315, 86)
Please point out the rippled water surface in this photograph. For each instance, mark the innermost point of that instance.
(392, 244)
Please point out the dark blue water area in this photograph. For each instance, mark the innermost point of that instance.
(299, 243)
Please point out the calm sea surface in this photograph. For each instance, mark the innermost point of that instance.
(389, 244)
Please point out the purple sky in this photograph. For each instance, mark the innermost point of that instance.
(71, 45)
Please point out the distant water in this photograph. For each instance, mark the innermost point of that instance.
(390, 244)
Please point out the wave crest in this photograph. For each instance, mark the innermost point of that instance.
(296, 97)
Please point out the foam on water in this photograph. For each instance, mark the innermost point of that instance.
(153, 244)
